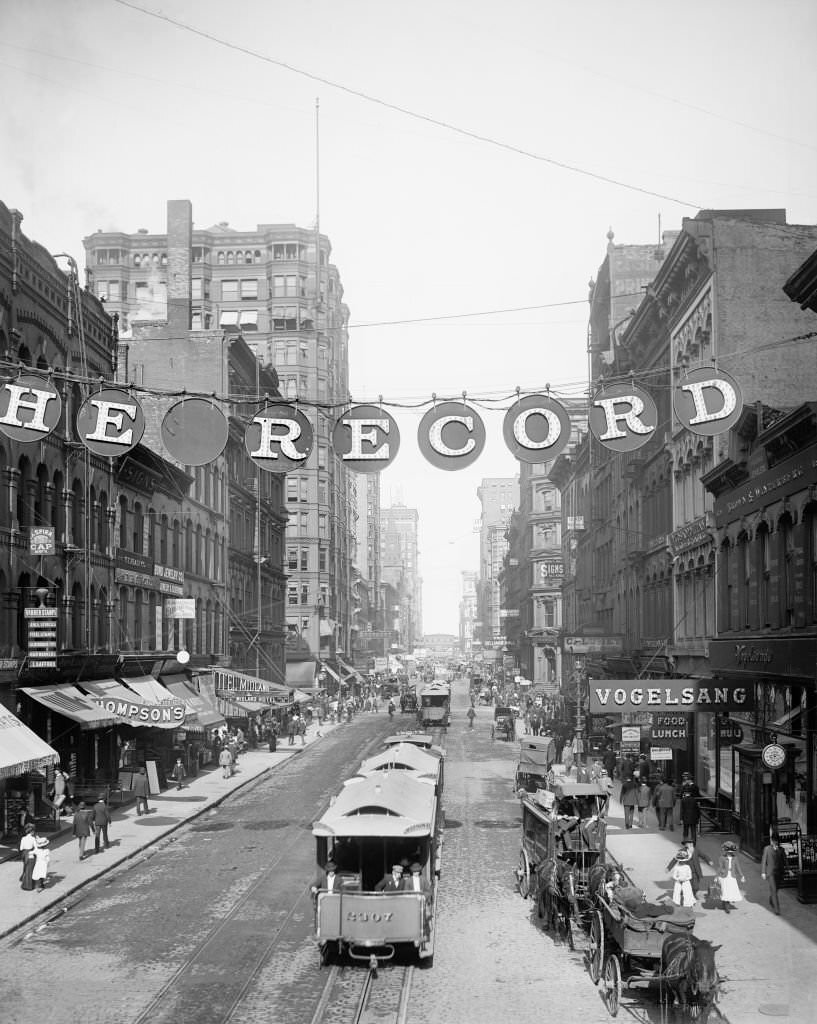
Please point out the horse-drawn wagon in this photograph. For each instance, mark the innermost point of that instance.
(633, 943)
(536, 755)
(563, 840)
(504, 724)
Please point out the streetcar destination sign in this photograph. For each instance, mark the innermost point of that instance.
(620, 695)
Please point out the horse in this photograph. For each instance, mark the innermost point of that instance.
(689, 975)
(556, 896)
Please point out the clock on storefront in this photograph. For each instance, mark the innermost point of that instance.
(773, 755)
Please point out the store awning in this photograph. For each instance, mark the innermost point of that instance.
(203, 712)
(230, 707)
(331, 671)
(131, 708)
(21, 750)
(350, 671)
(66, 700)
(301, 673)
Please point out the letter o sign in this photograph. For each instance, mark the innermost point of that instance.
(536, 429)
(451, 435)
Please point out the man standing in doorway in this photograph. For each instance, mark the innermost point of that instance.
(773, 868)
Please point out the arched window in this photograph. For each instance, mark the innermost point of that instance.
(102, 522)
(208, 540)
(138, 528)
(230, 258)
(57, 506)
(77, 617)
(188, 546)
(199, 556)
(92, 511)
(221, 259)
(123, 522)
(764, 576)
(42, 512)
(176, 545)
(152, 529)
(163, 540)
(788, 555)
(150, 633)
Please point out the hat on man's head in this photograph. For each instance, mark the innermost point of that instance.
(331, 866)
(729, 846)
(415, 867)
(682, 854)
(397, 867)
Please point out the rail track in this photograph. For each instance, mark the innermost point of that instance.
(354, 995)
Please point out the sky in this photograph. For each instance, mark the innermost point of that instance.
(473, 157)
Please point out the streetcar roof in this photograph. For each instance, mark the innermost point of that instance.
(382, 804)
(402, 756)
(419, 739)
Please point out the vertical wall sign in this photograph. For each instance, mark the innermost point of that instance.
(623, 417)
(279, 439)
(110, 423)
(707, 401)
(366, 438)
(30, 408)
(536, 428)
(451, 435)
(194, 431)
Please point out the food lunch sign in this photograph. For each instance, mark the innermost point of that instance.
(451, 435)
(616, 696)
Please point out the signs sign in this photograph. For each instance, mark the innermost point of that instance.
(622, 417)
(670, 730)
(41, 628)
(619, 695)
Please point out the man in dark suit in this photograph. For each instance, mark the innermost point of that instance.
(327, 880)
(773, 868)
(141, 789)
(392, 882)
(101, 819)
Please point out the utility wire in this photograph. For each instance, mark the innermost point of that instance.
(427, 119)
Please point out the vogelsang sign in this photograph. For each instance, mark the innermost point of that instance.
(612, 696)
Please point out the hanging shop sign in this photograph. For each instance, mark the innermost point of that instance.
(110, 423)
(279, 439)
(617, 695)
(729, 732)
(366, 438)
(670, 730)
(451, 435)
(707, 401)
(536, 428)
(622, 417)
(41, 540)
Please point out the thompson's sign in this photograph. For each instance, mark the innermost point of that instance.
(619, 695)
(279, 438)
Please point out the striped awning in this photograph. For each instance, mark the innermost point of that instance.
(21, 750)
(203, 712)
(66, 700)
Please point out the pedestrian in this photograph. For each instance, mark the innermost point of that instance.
(272, 736)
(28, 846)
(664, 802)
(694, 862)
(101, 822)
(773, 869)
(225, 760)
(629, 800)
(729, 871)
(178, 772)
(42, 856)
(642, 769)
(471, 716)
(392, 882)
(292, 728)
(60, 791)
(690, 811)
(643, 801)
(302, 729)
(83, 826)
(681, 874)
(141, 789)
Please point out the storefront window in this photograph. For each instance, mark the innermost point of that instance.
(705, 767)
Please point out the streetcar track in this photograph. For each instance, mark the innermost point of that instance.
(380, 995)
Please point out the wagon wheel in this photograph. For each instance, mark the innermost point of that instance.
(523, 874)
(612, 984)
(595, 947)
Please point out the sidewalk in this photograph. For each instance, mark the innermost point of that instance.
(130, 834)
(769, 962)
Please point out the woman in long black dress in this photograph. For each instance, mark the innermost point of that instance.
(28, 844)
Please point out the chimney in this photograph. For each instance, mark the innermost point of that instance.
(179, 261)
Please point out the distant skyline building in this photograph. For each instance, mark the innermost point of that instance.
(468, 611)
(498, 497)
(400, 568)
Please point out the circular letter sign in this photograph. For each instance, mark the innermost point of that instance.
(451, 435)
(536, 429)
(366, 438)
(623, 417)
(110, 422)
(194, 431)
(707, 401)
(279, 438)
(30, 408)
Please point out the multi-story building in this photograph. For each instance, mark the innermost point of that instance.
(468, 612)
(276, 288)
(399, 566)
(229, 534)
(498, 497)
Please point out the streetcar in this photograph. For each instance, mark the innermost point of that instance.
(423, 740)
(375, 821)
(434, 705)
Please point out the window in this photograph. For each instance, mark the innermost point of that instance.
(292, 558)
(292, 593)
(304, 559)
(304, 593)
(323, 452)
(285, 285)
(249, 288)
(229, 290)
(322, 559)
(765, 575)
(195, 291)
(322, 525)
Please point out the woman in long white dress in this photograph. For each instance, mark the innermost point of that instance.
(682, 894)
(729, 871)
